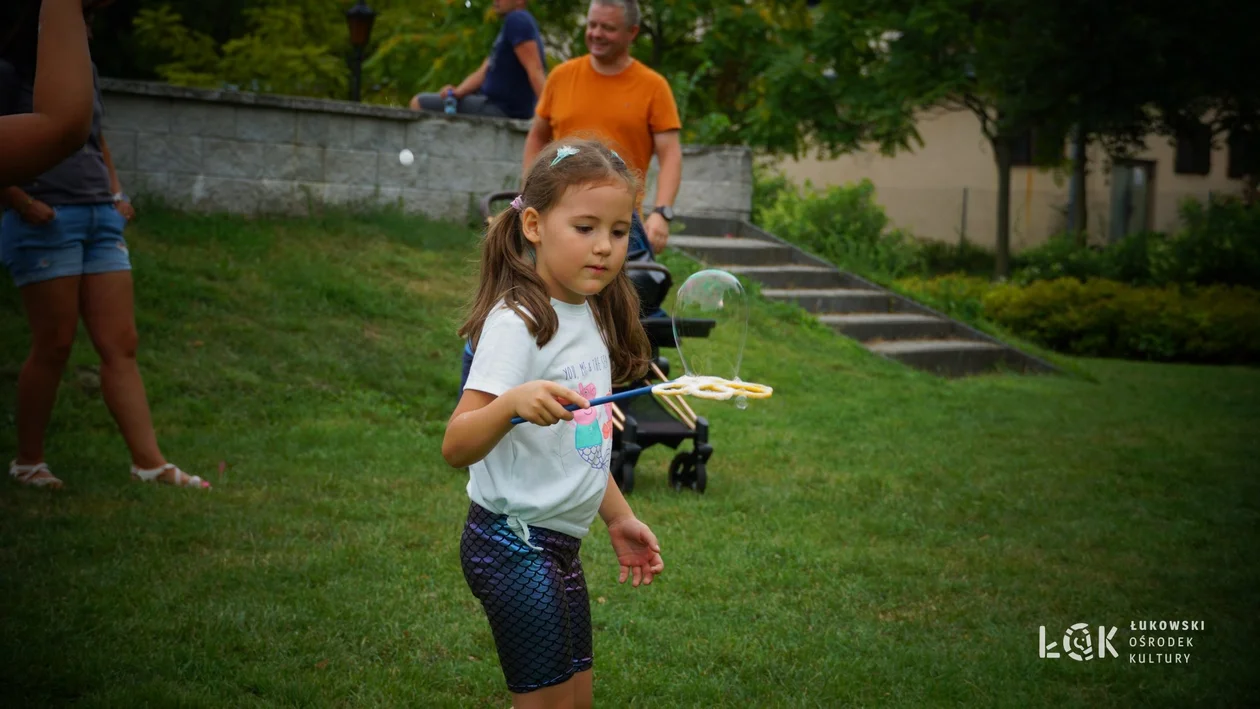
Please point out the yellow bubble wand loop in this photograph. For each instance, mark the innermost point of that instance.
(714, 388)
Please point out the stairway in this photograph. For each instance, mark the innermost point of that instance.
(886, 323)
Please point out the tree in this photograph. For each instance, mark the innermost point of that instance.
(728, 62)
(296, 47)
(722, 59)
(1110, 71)
(284, 50)
(894, 60)
(1124, 70)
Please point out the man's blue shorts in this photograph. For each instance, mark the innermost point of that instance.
(81, 239)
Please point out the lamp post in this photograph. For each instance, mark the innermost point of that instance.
(359, 19)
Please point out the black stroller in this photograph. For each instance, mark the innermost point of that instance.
(645, 421)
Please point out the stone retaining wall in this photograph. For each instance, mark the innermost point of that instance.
(252, 153)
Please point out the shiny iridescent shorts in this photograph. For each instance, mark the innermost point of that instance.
(536, 601)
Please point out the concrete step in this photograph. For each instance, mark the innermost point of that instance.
(886, 323)
(794, 276)
(952, 357)
(731, 251)
(889, 326)
(837, 300)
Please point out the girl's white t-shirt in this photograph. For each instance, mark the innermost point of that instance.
(545, 476)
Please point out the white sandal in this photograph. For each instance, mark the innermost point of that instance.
(37, 475)
(182, 479)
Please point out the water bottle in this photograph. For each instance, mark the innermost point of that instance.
(451, 102)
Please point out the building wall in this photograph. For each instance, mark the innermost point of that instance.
(948, 186)
(251, 153)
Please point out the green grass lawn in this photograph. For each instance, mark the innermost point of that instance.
(871, 535)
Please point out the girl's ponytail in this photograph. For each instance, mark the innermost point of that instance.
(507, 273)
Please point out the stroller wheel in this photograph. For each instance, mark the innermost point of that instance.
(680, 471)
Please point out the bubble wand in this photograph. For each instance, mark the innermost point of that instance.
(705, 293)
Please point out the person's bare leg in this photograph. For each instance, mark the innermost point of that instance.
(583, 689)
(108, 306)
(558, 696)
(52, 309)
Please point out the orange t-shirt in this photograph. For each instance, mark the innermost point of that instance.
(622, 110)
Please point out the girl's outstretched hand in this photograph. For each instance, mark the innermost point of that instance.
(542, 402)
(638, 552)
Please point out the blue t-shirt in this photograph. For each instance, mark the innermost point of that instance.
(506, 84)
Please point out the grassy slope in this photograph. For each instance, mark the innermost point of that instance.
(871, 535)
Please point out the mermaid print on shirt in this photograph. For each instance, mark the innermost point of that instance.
(589, 433)
(591, 429)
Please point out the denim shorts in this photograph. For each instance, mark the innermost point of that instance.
(82, 239)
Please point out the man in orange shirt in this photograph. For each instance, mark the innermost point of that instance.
(609, 96)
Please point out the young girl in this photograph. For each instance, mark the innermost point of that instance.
(555, 321)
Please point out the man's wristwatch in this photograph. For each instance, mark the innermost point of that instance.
(120, 197)
(665, 211)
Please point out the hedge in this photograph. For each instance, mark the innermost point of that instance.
(1102, 318)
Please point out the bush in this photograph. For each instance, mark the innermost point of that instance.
(1103, 318)
(845, 226)
(942, 257)
(957, 295)
(1059, 257)
(1109, 319)
(1218, 243)
(768, 184)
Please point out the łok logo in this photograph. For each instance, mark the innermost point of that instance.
(1079, 644)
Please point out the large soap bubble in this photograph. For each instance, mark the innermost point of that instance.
(717, 297)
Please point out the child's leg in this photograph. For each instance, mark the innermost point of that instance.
(557, 696)
(583, 689)
(581, 633)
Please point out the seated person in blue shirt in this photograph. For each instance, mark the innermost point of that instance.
(509, 82)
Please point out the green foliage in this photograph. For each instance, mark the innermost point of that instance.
(1021, 65)
(1219, 243)
(768, 183)
(285, 50)
(195, 57)
(301, 48)
(1060, 256)
(1103, 318)
(738, 71)
(847, 226)
(844, 225)
(958, 295)
(941, 257)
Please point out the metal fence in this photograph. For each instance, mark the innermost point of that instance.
(970, 213)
